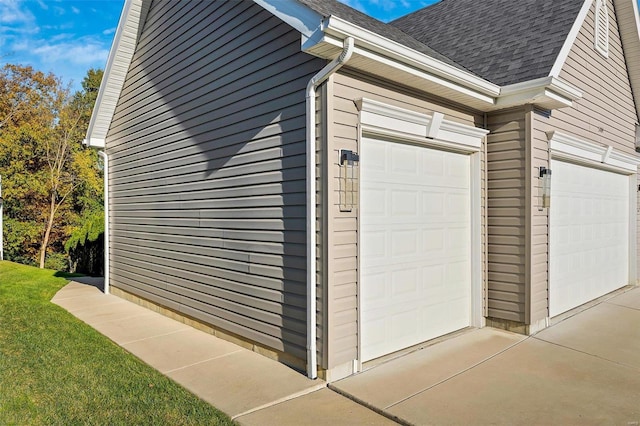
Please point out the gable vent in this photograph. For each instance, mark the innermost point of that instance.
(602, 28)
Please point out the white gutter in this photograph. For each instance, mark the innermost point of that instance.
(397, 51)
(105, 160)
(316, 80)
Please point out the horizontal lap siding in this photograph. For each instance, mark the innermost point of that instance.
(342, 235)
(605, 115)
(207, 172)
(539, 226)
(507, 215)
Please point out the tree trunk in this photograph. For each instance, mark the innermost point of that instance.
(47, 232)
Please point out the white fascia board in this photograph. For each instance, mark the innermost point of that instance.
(571, 38)
(303, 19)
(384, 119)
(385, 47)
(629, 24)
(413, 70)
(93, 143)
(120, 56)
(545, 90)
(566, 146)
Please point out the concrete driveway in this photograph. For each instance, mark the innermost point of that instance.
(583, 370)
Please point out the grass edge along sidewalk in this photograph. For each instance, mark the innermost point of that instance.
(55, 369)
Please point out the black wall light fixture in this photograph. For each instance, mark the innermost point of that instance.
(349, 161)
(545, 175)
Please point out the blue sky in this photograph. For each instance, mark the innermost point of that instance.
(67, 37)
(387, 10)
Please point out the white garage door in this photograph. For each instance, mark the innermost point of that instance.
(589, 239)
(415, 245)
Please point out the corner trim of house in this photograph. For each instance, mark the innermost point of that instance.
(338, 372)
(388, 120)
(569, 147)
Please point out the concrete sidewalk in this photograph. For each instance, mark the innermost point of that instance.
(582, 370)
(247, 386)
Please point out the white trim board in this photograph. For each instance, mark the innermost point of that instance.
(380, 118)
(563, 145)
(305, 20)
(404, 125)
(120, 56)
(571, 38)
(376, 43)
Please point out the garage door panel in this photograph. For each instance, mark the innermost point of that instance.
(589, 239)
(417, 203)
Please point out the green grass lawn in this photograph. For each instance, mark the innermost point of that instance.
(55, 369)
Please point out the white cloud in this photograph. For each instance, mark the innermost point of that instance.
(83, 52)
(356, 4)
(12, 13)
(34, 32)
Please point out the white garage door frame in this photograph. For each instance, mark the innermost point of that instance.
(381, 120)
(571, 149)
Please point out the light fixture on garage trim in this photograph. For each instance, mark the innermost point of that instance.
(545, 175)
(348, 179)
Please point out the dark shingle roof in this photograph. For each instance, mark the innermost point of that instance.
(503, 41)
(328, 8)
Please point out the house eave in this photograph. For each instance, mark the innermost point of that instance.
(381, 45)
(443, 79)
(545, 92)
(93, 143)
(120, 56)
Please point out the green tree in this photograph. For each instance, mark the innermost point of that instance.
(50, 180)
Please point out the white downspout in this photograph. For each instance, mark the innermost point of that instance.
(316, 80)
(105, 160)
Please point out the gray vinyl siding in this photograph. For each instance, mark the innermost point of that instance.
(342, 227)
(207, 171)
(605, 115)
(507, 248)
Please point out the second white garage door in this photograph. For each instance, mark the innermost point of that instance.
(415, 245)
(589, 237)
